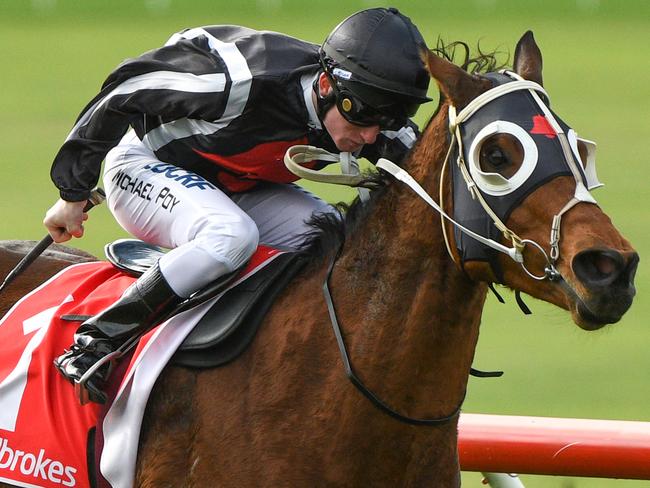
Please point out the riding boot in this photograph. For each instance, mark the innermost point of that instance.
(142, 306)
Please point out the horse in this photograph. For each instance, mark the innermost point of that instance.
(409, 306)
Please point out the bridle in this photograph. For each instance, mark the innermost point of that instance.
(581, 194)
(584, 180)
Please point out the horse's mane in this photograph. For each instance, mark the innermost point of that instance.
(459, 53)
(328, 231)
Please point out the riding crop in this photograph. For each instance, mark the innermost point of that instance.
(97, 196)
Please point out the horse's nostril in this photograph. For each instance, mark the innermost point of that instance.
(604, 265)
(598, 267)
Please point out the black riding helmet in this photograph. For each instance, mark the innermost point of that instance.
(373, 61)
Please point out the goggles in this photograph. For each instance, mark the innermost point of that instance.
(357, 112)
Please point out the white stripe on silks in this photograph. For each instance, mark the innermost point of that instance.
(177, 129)
(157, 80)
(241, 78)
(237, 68)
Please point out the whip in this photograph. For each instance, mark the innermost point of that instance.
(97, 196)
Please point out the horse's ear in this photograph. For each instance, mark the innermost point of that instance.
(455, 84)
(528, 59)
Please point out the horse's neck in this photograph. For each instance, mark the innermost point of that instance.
(411, 315)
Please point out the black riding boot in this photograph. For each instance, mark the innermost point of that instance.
(141, 306)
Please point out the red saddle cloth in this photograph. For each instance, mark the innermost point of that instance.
(44, 431)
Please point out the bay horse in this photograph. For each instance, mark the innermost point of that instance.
(284, 414)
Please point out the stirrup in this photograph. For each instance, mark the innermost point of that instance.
(81, 385)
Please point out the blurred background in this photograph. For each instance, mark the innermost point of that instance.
(56, 53)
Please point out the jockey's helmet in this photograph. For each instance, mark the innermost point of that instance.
(373, 60)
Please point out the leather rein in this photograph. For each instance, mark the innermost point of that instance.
(356, 381)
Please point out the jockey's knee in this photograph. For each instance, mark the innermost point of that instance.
(218, 248)
(244, 241)
(232, 241)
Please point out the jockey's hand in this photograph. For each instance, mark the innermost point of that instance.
(65, 220)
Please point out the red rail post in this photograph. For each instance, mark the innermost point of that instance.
(554, 446)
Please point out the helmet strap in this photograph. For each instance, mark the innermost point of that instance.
(323, 103)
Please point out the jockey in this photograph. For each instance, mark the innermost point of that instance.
(193, 136)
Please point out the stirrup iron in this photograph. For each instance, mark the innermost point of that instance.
(81, 385)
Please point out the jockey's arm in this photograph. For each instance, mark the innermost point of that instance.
(161, 84)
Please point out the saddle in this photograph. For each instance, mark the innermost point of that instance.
(228, 328)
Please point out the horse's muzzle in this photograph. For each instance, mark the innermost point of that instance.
(607, 277)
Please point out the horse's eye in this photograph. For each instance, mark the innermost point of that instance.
(494, 156)
(501, 153)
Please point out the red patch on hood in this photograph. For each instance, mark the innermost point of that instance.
(542, 126)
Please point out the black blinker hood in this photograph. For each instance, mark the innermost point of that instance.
(518, 107)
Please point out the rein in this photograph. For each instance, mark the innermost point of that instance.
(352, 376)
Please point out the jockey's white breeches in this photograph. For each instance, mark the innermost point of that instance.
(209, 232)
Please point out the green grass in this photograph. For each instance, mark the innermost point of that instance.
(56, 54)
